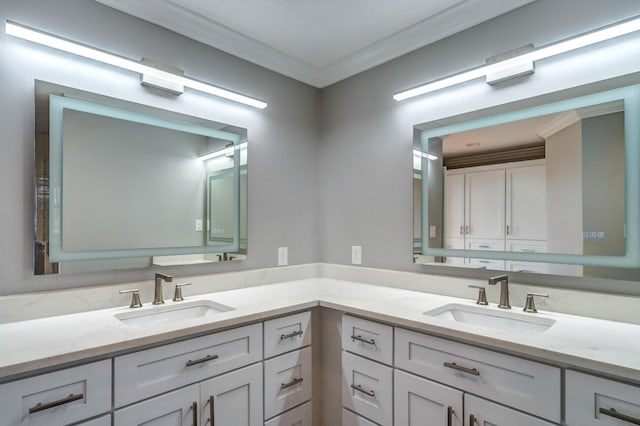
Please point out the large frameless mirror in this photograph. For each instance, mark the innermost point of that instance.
(123, 185)
(548, 189)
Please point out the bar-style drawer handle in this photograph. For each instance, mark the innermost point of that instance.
(467, 370)
(370, 393)
(484, 246)
(291, 335)
(613, 413)
(294, 382)
(201, 360)
(41, 407)
(359, 338)
(194, 413)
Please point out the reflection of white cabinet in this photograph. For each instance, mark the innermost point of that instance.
(526, 215)
(485, 204)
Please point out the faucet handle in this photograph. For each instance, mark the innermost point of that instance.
(529, 304)
(177, 295)
(135, 297)
(482, 295)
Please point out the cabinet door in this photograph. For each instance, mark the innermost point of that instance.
(233, 399)
(454, 206)
(417, 399)
(527, 203)
(177, 408)
(485, 204)
(480, 412)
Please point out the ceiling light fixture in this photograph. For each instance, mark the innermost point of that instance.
(89, 52)
(597, 36)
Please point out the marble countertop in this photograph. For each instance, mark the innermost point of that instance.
(607, 347)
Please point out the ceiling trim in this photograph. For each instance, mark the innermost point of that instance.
(463, 15)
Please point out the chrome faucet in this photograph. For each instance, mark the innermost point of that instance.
(504, 290)
(158, 298)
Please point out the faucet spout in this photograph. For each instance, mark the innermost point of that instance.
(504, 289)
(158, 298)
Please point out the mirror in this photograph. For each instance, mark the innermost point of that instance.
(548, 189)
(122, 185)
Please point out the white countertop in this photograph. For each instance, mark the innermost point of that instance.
(608, 347)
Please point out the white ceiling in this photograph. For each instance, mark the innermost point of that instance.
(318, 42)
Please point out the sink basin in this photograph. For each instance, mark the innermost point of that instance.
(171, 313)
(494, 319)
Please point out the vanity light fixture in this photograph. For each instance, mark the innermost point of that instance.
(226, 151)
(41, 37)
(419, 153)
(516, 63)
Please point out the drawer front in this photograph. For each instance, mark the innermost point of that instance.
(486, 413)
(367, 338)
(593, 401)
(519, 383)
(287, 381)
(61, 397)
(527, 246)
(478, 244)
(175, 408)
(299, 416)
(101, 421)
(146, 373)
(494, 264)
(286, 334)
(367, 388)
(351, 419)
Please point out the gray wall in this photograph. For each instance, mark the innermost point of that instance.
(366, 137)
(282, 157)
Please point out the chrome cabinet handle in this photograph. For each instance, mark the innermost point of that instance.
(467, 370)
(212, 411)
(291, 335)
(508, 229)
(461, 230)
(45, 406)
(467, 229)
(611, 412)
(359, 338)
(291, 383)
(194, 408)
(364, 391)
(449, 415)
(484, 246)
(472, 420)
(201, 360)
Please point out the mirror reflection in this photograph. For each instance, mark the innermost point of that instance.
(549, 185)
(121, 185)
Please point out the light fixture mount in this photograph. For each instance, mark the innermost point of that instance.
(153, 81)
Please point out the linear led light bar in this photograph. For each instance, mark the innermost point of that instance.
(558, 48)
(69, 46)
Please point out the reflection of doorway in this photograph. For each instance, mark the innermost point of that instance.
(220, 208)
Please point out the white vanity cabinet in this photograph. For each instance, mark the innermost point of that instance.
(58, 398)
(177, 408)
(595, 401)
(288, 370)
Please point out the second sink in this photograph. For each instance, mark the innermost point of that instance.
(489, 318)
(171, 313)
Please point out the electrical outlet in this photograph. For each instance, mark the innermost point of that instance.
(198, 225)
(283, 256)
(356, 255)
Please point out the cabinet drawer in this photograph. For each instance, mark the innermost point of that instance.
(173, 408)
(57, 398)
(100, 421)
(522, 384)
(299, 416)
(367, 338)
(488, 413)
(476, 244)
(592, 401)
(146, 373)
(286, 334)
(352, 419)
(367, 388)
(287, 381)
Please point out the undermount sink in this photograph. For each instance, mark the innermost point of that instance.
(171, 313)
(494, 319)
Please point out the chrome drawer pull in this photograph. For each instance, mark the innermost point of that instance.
(212, 411)
(291, 335)
(613, 413)
(294, 382)
(370, 393)
(450, 415)
(484, 246)
(194, 409)
(201, 360)
(41, 407)
(359, 338)
(467, 370)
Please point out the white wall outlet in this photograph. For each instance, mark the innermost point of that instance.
(283, 256)
(356, 255)
(198, 225)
